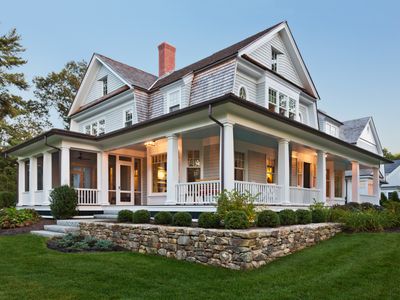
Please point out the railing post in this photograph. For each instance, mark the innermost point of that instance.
(284, 169)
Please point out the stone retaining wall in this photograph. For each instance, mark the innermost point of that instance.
(233, 249)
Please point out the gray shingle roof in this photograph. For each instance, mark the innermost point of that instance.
(389, 168)
(351, 130)
(133, 76)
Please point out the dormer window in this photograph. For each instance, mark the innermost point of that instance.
(242, 93)
(274, 59)
(105, 85)
(174, 100)
(331, 129)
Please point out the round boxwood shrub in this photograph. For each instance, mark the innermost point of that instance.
(125, 215)
(303, 216)
(7, 199)
(209, 220)
(319, 216)
(163, 218)
(268, 218)
(287, 217)
(182, 218)
(63, 202)
(141, 216)
(236, 219)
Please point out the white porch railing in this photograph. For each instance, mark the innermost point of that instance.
(304, 196)
(369, 198)
(203, 192)
(335, 201)
(266, 193)
(87, 196)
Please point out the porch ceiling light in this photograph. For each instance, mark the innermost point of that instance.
(150, 144)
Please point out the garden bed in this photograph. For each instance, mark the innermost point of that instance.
(19, 230)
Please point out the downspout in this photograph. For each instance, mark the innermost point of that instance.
(222, 144)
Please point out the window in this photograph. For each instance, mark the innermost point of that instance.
(27, 176)
(128, 117)
(159, 173)
(270, 172)
(55, 169)
(105, 85)
(39, 173)
(299, 173)
(88, 129)
(274, 59)
(272, 100)
(331, 129)
(239, 166)
(242, 93)
(338, 184)
(174, 100)
(193, 170)
(102, 127)
(292, 108)
(83, 169)
(328, 183)
(112, 179)
(283, 102)
(94, 128)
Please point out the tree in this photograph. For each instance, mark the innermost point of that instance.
(58, 89)
(389, 155)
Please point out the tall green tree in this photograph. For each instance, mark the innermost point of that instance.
(389, 155)
(58, 89)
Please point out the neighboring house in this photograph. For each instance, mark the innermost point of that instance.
(392, 183)
(243, 118)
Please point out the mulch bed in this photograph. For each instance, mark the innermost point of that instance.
(27, 229)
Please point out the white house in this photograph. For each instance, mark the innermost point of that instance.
(243, 118)
(392, 183)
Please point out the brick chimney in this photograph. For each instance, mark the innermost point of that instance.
(166, 59)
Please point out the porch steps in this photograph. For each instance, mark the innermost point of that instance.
(71, 223)
(46, 233)
(106, 216)
(61, 228)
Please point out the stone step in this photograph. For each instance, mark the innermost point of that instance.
(106, 216)
(71, 223)
(61, 228)
(47, 234)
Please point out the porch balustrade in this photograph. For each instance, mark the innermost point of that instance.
(203, 192)
(87, 196)
(265, 193)
(304, 196)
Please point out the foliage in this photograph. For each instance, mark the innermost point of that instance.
(268, 218)
(369, 220)
(394, 197)
(182, 218)
(125, 215)
(209, 220)
(12, 217)
(7, 199)
(236, 219)
(383, 199)
(233, 201)
(163, 218)
(287, 217)
(63, 202)
(78, 242)
(141, 216)
(366, 206)
(303, 216)
(58, 89)
(319, 215)
(387, 154)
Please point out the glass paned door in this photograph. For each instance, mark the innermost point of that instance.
(137, 182)
(125, 186)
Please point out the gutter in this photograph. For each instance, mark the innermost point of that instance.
(222, 145)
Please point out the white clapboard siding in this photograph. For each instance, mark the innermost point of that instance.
(257, 167)
(211, 161)
(285, 65)
(96, 88)
(248, 83)
(261, 97)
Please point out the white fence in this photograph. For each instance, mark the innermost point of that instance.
(87, 196)
(203, 192)
(266, 193)
(304, 196)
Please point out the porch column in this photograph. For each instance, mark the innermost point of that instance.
(102, 177)
(331, 170)
(32, 179)
(21, 182)
(229, 157)
(172, 168)
(284, 169)
(46, 177)
(321, 174)
(355, 181)
(376, 187)
(65, 166)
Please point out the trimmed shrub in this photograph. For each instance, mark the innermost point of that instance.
(236, 219)
(7, 199)
(63, 202)
(163, 218)
(352, 206)
(268, 218)
(303, 216)
(337, 214)
(182, 218)
(369, 220)
(230, 201)
(383, 199)
(141, 216)
(125, 216)
(394, 197)
(287, 217)
(209, 220)
(319, 215)
(366, 206)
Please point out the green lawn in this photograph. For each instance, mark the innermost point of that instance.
(357, 266)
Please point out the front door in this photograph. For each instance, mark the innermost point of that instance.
(307, 175)
(125, 183)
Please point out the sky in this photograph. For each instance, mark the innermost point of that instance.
(351, 48)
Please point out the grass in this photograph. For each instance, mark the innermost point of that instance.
(349, 266)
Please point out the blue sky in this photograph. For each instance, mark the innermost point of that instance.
(351, 48)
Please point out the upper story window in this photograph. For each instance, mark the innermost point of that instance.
(272, 99)
(104, 81)
(286, 106)
(96, 127)
(174, 100)
(274, 59)
(292, 108)
(283, 103)
(102, 127)
(242, 93)
(331, 129)
(128, 117)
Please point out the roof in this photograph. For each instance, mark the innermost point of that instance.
(132, 75)
(351, 130)
(389, 168)
(321, 112)
(227, 98)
